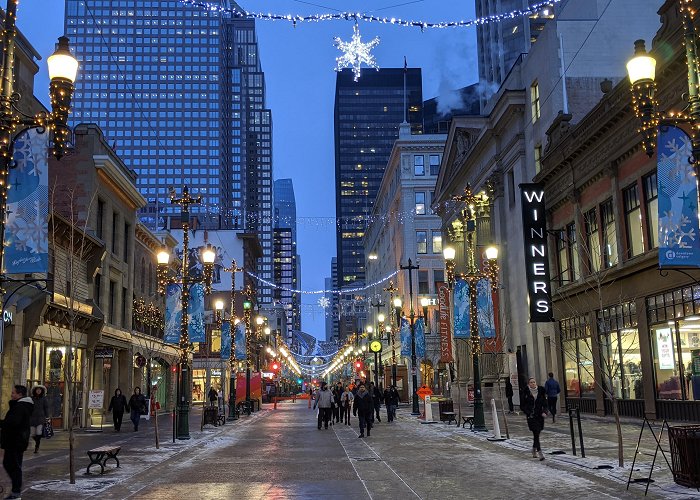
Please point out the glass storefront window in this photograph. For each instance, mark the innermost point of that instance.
(585, 360)
(622, 363)
(199, 385)
(666, 365)
(573, 390)
(689, 344)
(55, 378)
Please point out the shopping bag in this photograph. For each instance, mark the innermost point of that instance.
(48, 429)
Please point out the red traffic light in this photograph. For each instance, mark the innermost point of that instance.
(275, 366)
(358, 365)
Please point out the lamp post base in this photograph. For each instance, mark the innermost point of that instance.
(183, 402)
(232, 401)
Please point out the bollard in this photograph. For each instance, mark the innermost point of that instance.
(174, 423)
(496, 425)
(571, 427)
(580, 433)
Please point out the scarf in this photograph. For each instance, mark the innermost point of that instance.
(534, 391)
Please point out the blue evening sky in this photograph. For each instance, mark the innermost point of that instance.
(298, 64)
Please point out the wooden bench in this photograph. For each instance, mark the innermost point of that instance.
(449, 417)
(99, 456)
(468, 419)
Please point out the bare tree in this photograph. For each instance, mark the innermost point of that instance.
(71, 248)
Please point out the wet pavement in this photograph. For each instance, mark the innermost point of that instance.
(277, 454)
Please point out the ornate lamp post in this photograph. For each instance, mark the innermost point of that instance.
(412, 316)
(473, 203)
(232, 359)
(63, 69)
(249, 294)
(642, 73)
(184, 386)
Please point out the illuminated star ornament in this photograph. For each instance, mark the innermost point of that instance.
(355, 53)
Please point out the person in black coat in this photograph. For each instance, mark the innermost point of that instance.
(509, 394)
(391, 400)
(363, 407)
(40, 414)
(376, 399)
(137, 404)
(534, 404)
(15, 436)
(117, 406)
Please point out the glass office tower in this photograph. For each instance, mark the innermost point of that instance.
(367, 118)
(180, 94)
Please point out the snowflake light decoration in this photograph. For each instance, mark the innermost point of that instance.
(355, 53)
(324, 302)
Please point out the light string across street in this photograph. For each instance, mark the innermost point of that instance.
(367, 17)
(320, 292)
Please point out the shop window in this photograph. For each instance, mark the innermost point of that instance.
(633, 221)
(651, 198)
(621, 360)
(55, 378)
(593, 240)
(607, 217)
(578, 357)
(677, 359)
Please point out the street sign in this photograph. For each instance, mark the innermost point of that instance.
(104, 353)
(424, 391)
(375, 346)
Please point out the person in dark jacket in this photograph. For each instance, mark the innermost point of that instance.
(363, 407)
(337, 395)
(14, 437)
(324, 402)
(213, 396)
(509, 394)
(376, 399)
(391, 400)
(534, 405)
(117, 406)
(137, 404)
(551, 387)
(39, 415)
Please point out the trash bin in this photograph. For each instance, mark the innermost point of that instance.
(685, 454)
(211, 416)
(445, 406)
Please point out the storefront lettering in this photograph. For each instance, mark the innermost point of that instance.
(536, 258)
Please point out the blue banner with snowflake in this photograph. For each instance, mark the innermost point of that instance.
(226, 340)
(461, 309)
(240, 341)
(195, 314)
(484, 304)
(405, 332)
(173, 314)
(679, 242)
(27, 230)
(420, 337)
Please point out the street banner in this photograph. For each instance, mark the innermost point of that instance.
(239, 341)
(419, 328)
(255, 386)
(195, 312)
(484, 305)
(173, 314)
(405, 338)
(461, 308)
(27, 228)
(679, 245)
(444, 324)
(226, 340)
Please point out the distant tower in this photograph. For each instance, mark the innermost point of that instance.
(286, 261)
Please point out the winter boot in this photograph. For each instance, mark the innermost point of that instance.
(534, 453)
(37, 439)
(361, 435)
(541, 455)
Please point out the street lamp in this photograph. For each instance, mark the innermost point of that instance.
(184, 386)
(63, 68)
(397, 307)
(232, 358)
(642, 73)
(247, 311)
(475, 203)
(412, 315)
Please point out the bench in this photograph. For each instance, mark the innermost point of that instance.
(449, 417)
(99, 456)
(469, 419)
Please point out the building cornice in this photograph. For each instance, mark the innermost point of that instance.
(112, 174)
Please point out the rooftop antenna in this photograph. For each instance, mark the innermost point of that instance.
(404, 128)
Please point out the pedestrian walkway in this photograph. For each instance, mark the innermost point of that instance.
(277, 454)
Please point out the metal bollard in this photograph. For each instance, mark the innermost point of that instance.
(580, 431)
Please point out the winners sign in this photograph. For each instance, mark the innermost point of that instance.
(536, 259)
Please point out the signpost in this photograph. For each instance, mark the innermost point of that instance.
(96, 401)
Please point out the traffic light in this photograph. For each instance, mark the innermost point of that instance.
(300, 381)
(358, 365)
(275, 366)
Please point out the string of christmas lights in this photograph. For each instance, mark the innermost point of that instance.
(362, 16)
(319, 292)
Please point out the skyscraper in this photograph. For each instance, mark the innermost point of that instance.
(286, 270)
(367, 118)
(180, 94)
(500, 44)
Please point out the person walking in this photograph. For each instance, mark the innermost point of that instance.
(534, 405)
(552, 389)
(39, 415)
(14, 437)
(324, 398)
(337, 403)
(346, 401)
(363, 407)
(391, 400)
(376, 399)
(137, 404)
(117, 405)
(213, 396)
(509, 395)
